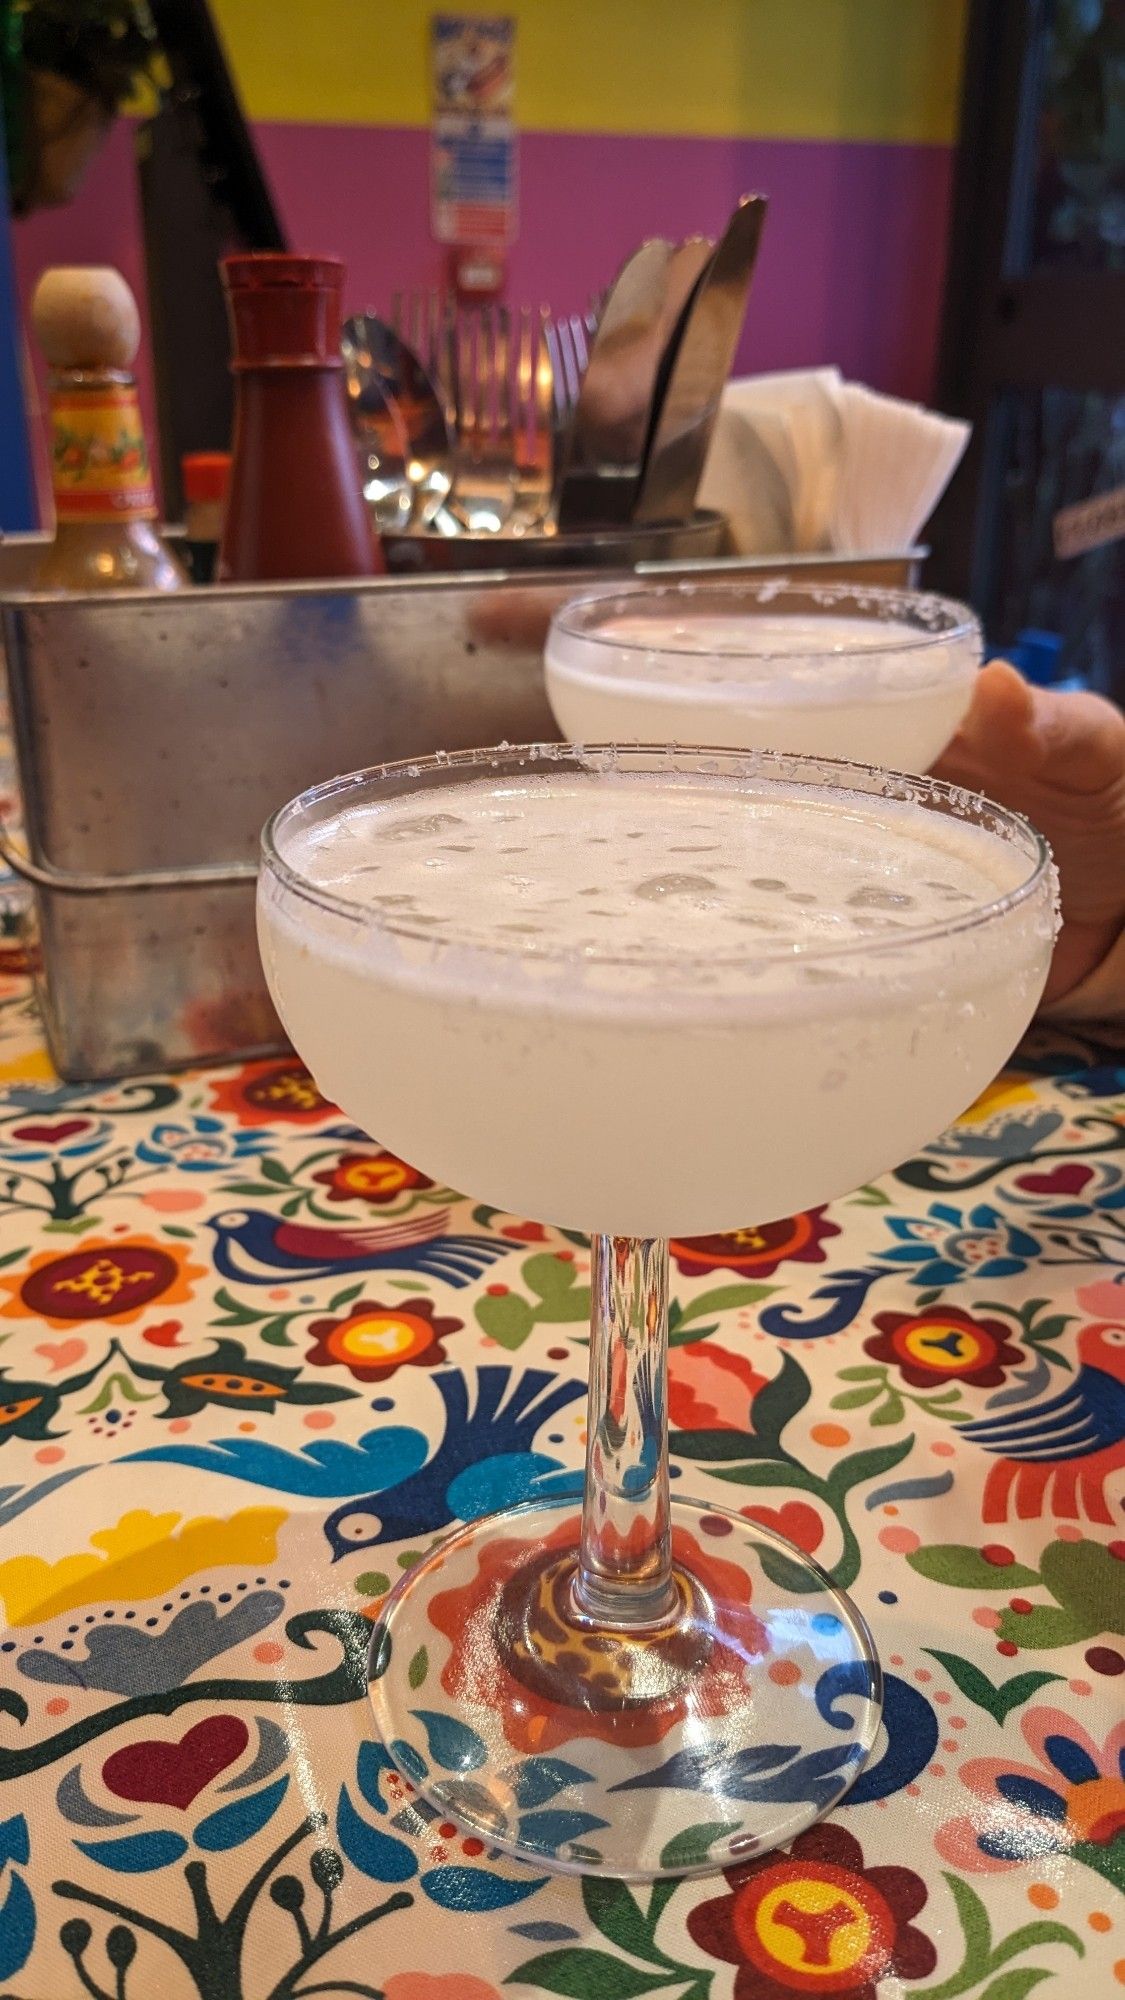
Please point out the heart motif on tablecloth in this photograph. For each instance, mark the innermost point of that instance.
(164, 1334)
(61, 1353)
(1070, 1177)
(173, 1774)
(53, 1134)
(798, 1522)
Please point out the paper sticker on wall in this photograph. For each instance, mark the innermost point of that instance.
(1090, 524)
(473, 136)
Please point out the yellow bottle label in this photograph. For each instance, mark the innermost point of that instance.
(99, 460)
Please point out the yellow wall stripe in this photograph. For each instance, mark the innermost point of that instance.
(783, 69)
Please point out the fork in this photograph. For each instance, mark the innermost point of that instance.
(485, 486)
(508, 382)
(569, 354)
(534, 403)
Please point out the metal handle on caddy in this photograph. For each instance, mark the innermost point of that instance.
(65, 882)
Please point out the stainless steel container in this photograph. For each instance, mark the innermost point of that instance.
(155, 733)
(594, 548)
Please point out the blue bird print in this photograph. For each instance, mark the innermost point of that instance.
(1058, 1452)
(256, 1248)
(323, 1469)
(484, 1461)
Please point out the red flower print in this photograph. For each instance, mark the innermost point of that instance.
(944, 1344)
(814, 1919)
(103, 1280)
(757, 1251)
(438, 1986)
(709, 1388)
(271, 1093)
(1070, 1801)
(470, 1613)
(373, 1177)
(372, 1340)
(796, 1520)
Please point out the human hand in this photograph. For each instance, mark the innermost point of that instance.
(1059, 758)
(516, 615)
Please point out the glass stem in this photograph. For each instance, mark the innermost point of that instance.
(624, 1577)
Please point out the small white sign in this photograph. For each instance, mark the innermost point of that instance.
(1090, 524)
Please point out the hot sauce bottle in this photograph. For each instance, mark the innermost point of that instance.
(85, 318)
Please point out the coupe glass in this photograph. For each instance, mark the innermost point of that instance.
(628, 1683)
(820, 669)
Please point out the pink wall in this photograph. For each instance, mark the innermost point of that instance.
(851, 267)
(852, 260)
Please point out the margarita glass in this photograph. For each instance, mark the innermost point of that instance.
(641, 993)
(820, 669)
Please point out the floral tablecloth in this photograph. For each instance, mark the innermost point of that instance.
(229, 1321)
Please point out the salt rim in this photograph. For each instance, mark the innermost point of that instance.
(923, 608)
(671, 762)
(934, 639)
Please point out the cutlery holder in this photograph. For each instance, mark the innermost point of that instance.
(155, 733)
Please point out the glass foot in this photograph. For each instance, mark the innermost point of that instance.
(719, 1731)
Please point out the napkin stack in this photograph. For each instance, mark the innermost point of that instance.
(805, 461)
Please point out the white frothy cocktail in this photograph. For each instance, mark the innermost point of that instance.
(646, 1001)
(831, 670)
(640, 992)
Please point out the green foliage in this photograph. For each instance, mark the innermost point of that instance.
(982, 1957)
(106, 47)
(964, 1567)
(557, 1299)
(874, 1381)
(758, 1458)
(998, 1700)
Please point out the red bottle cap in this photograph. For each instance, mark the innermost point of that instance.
(285, 311)
(205, 476)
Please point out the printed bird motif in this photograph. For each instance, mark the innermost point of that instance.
(1063, 1450)
(484, 1461)
(254, 1248)
(323, 1469)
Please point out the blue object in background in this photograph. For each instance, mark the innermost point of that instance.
(18, 507)
(1038, 656)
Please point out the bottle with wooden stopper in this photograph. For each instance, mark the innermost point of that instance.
(295, 506)
(85, 318)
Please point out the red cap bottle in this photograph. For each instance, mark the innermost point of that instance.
(295, 507)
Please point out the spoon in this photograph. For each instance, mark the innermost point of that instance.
(404, 433)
